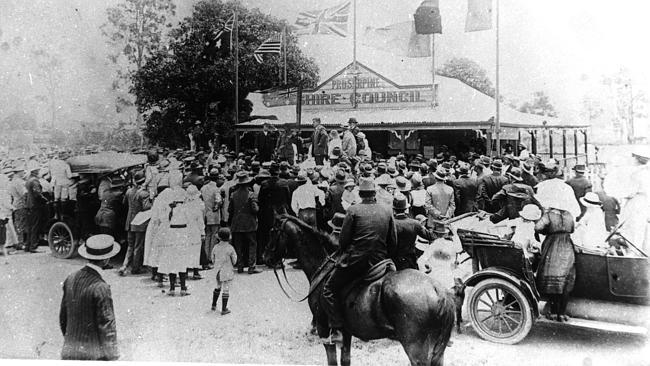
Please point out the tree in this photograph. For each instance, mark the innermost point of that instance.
(592, 108)
(540, 105)
(180, 85)
(49, 67)
(469, 72)
(135, 32)
(630, 101)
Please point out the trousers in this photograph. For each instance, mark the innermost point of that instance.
(135, 251)
(340, 277)
(246, 248)
(208, 244)
(35, 225)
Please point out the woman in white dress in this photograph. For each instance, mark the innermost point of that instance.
(590, 230)
(195, 208)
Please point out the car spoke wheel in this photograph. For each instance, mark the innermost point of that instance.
(61, 241)
(499, 311)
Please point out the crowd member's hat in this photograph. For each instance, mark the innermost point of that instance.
(463, 169)
(340, 176)
(401, 164)
(515, 174)
(590, 199)
(343, 165)
(368, 169)
(433, 164)
(484, 161)
(248, 159)
(531, 212)
(284, 165)
(580, 168)
(314, 176)
(99, 247)
(221, 159)
(352, 121)
(527, 167)
(336, 223)
(229, 155)
(440, 174)
(400, 202)
(399, 157)
(302, 177)
(366, 185)
(439, 227)
(549, 166)
(243, 177)
(415, 164)
(392, 171)
(361, 153)
(164, 164)
(403, 184)
(421, 243)
(266, 165)
(139, 177)
(383, 180)
(255, 164)
(349, 183)
(381, 168)
(416, 182)
(241, 155)
(440, 157)
(295, 169)
(345, 125)
(496, 165)
(419, 157)
(214, 173)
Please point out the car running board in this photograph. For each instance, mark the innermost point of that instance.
(594, 324)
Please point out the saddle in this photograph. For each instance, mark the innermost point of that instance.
(375, 273)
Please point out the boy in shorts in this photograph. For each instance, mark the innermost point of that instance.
(224, 258)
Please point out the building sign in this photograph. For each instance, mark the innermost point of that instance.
(363, 89)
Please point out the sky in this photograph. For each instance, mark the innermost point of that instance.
(558, 46)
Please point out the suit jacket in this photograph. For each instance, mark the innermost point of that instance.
(488, 186)
(368, 233)
(87, 318)
(334, 198)
(510, 206)
(408, 230)
(265, 145)
(440, 201)
(580, 186)
(319, 141)
(274, 197)
(34, 197)
(211, 195)
(348, 144)
(243, 210)
(137, 200)
(465, 189)
(428, 180)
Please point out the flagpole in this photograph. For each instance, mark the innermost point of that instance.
(354, 52)
(284, 46)
(433, 72)
(497, 122)
(236, 31)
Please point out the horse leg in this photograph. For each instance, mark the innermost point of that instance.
(346, 348)
(330, 350)
(417, 351)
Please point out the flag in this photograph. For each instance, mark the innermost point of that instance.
(399, 39)
(332, 20)
(271, 45)
(427, 18)
(220, 41)
(479, 15)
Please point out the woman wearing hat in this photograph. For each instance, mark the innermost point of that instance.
(590, 229)
(524, 233)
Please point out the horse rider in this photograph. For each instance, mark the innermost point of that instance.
(368, 236)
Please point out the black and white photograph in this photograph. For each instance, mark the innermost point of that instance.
(325, 182)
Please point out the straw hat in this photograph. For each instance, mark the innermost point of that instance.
(590, 199)
(400, 202)
(243, 177)
(366, 185)
(531, 212)
(99, 247)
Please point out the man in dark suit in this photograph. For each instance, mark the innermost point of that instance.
(580, 185)
(488, 186)
(86, 317)
(36, 205)
(274, 199)
(465, 189)
(137, 199)
(334, 195)
(319, 141)
(408, 230)
(242, 215)
(265, 144)
(512, 197)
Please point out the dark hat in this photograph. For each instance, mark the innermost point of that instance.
(401, 164)
(515, 173)
(440, 174)
(400, 202)
(403, 184)
(367, 168)
(366, 185)
(352, 120)
(336, 222)
(340, 176)
(284, 165)
(214, 173)
(415, 164)
(485, 161)
(336, 151)
(139, 177)
(392, 171)
(496, 165)
(463, 169)
(439, 227)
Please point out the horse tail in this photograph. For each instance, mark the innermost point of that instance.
(443, 317)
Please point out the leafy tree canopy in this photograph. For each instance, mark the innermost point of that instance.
(469, 72)
(183, 83)
(540, 105)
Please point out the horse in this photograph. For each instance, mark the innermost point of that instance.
(406, 306)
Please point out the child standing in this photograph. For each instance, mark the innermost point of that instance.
(224, 258)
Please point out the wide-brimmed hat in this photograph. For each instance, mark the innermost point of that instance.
(366, 185)
(400, 202)
(243, 177)
(439, 227)
(302, 177)
(580, 168)
(530, 212)
(416, 181)
(263, 174)
(349, 183)
(528, 168)
(345, 125)
(515, 174)
(496, 165)
(99, 247)
(336, 222)
(392, 171)
(484, 161)
(591, 199)
(139, 177)
(340, 176)
(403, 184)
(383, 180)
(440, 174)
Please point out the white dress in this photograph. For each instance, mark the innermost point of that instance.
(590, 231)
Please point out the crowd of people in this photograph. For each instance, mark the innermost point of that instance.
(185, 211)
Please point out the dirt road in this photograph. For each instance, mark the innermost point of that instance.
(264, 326)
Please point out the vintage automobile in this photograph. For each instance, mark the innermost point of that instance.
(611, 292)
(63, 235)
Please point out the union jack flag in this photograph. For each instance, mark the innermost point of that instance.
(227, 28)
(271, 45)
(332, 20)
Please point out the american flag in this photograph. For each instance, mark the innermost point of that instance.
(271, 45)
(332, 20)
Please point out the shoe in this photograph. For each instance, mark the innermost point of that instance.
(197, 277)
(160, 284)
(240, 270)
(107, 266)
(138, 272)
(253, 270)
(171, 293)
(214, 308)
(224, 312)
(121, 272)
(336, 336)
(185, 293)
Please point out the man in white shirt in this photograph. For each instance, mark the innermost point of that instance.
(303, 200)
(61, 179)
